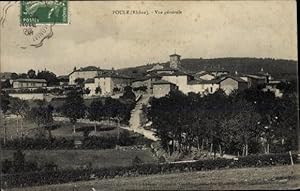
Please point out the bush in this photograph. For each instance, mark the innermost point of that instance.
(89, 142)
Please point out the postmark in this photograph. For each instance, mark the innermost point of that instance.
(44, 12)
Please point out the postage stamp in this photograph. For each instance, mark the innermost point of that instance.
(44, 12)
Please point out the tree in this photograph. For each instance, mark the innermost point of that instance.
(23, 76)
(20, 108)
(79, 81)
(95, 111)
(5, 106)
(73, 107)
(98, 90)
(87, 91)
(128, 93)
(5, 84)
(5, 102)
(50, 77)
(31, 74)
(43, 117)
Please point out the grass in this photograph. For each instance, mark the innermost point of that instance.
(279, 177)
(66, 159)
(13, 129)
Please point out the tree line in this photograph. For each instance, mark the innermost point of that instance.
(245, 122)
(73, 108)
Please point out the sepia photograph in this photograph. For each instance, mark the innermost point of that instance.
(149, 95)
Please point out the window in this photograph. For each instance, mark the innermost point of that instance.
(211, 89)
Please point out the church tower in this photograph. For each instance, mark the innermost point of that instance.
(175, 61)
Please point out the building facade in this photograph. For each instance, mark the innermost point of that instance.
(29, 83)
(229, 84)
(86, 73)
(162, 88)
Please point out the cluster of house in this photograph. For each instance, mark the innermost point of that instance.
(158, 81)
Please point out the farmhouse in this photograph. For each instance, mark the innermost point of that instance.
(107, 84)
(162, 88)
(29, 83)
(203, 86)
(231, 83)
(86, 73)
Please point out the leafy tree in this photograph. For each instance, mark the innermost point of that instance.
(98, 90)
(79, 81)
(22, 76)
(5, 106)
(50, 77)
(5, 102)
(14, 76)
(87, 91)
(20, 108)
(73, 107)
(6, 84)
(128, 93)
(31, 74)
(43, 117)
(95, 111)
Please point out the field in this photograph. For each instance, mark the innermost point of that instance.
(279, 177)
(65, 129)
(66, 159)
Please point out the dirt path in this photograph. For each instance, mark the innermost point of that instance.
(135, 119)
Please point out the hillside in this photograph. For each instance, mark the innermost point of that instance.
(279, 68)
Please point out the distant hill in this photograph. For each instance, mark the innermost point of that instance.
(279, 68)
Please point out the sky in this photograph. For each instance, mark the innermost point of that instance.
(207, 29)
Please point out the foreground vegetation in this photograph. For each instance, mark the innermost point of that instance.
(245, 122)
(267, 178)
(138, 168)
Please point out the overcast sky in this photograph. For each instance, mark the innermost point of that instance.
(204, 29)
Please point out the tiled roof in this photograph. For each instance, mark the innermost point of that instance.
(200, 81)
(31, 80)
(113, 75)
(161, 82)
(90, 81)
(236, 78)
(257, 77)
(89, 68)
(175, 55)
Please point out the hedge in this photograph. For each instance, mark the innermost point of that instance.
(64, 176)
(91, 142)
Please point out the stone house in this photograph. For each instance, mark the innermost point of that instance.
(203, 86)
(108, 84)
(29, 83)
(86, 73)
(162, 88)
(230, 83)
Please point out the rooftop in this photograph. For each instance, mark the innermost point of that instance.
(90, 81)
(112, 75)
(31, 80)
(236, 78)
(192, 82)
(175, 55)
(161, 82)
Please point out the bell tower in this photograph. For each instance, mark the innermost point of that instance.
(175, 61)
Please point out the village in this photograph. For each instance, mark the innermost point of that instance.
(158, 82)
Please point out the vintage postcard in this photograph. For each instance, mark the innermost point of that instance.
(149, 95)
